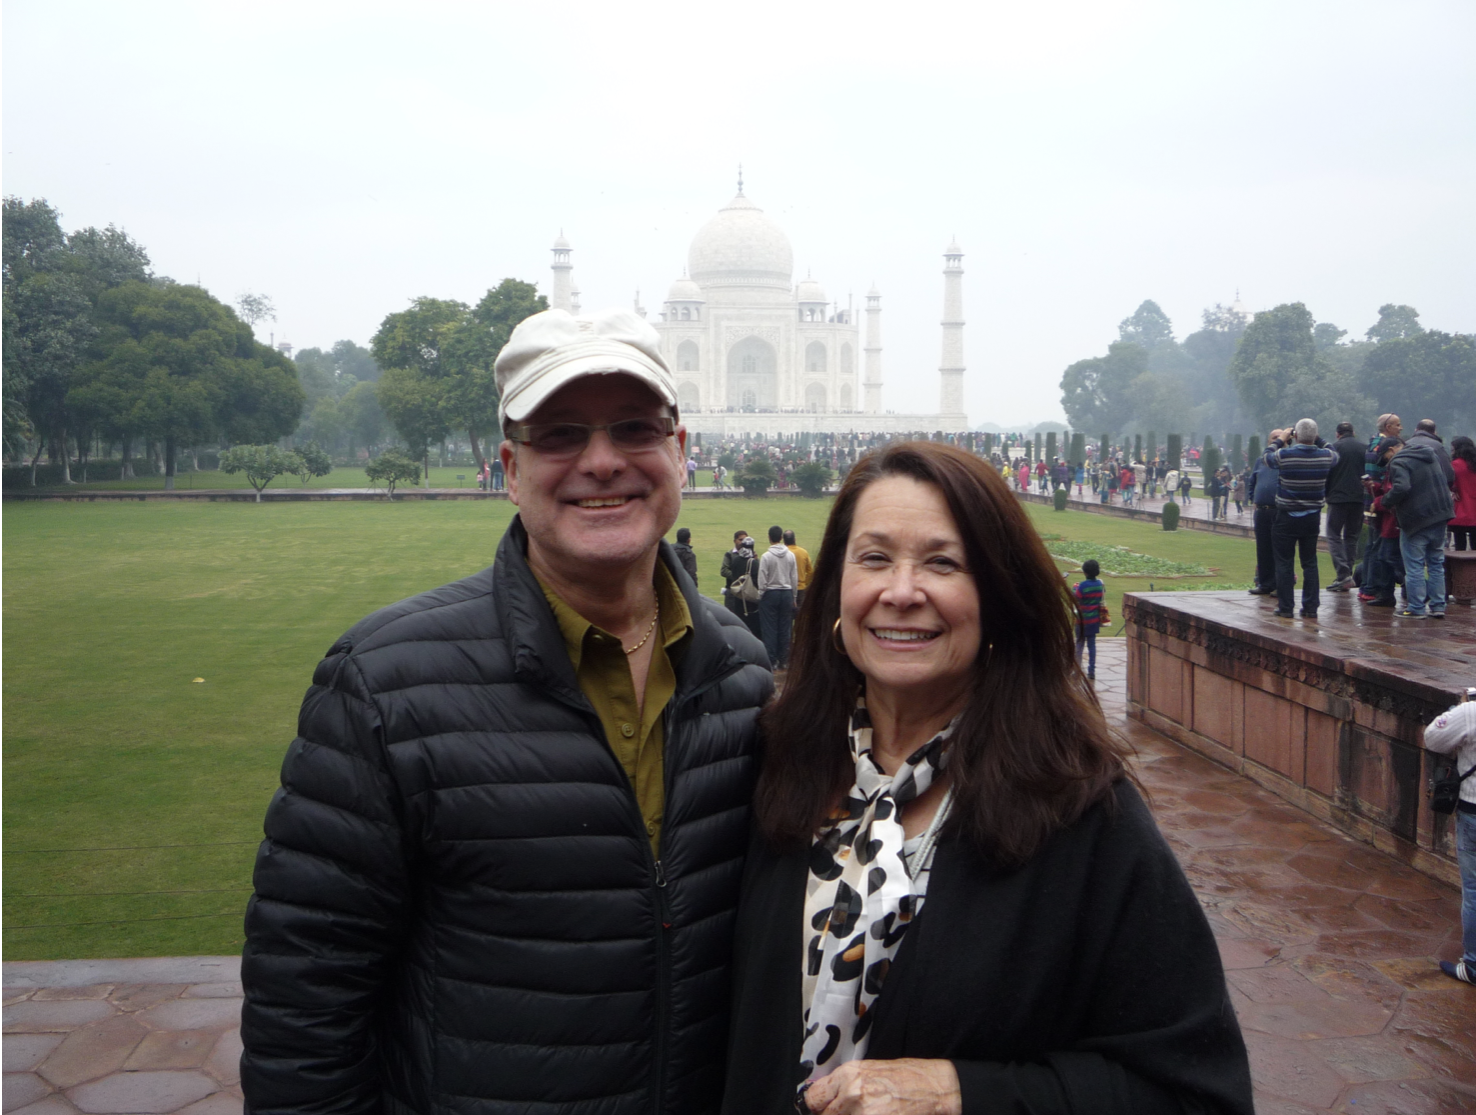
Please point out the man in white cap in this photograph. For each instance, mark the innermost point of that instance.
(502, 869)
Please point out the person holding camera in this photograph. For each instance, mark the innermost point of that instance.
(1453, 733)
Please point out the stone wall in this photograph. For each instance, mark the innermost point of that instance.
(1318, 716)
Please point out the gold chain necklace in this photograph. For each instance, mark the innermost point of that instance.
(650, 629)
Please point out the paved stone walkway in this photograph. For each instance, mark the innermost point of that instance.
(1329, 949)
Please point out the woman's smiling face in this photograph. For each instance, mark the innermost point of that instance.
(909, 605)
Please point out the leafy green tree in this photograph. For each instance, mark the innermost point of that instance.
(1281, 377)
(261, 463)
(1098, 391)
(46, 325)
(473, 398)
(1253, 449)
(1174, 451)
(390, 468)
(1149, 328)
(312, 461)
(1395, 323)
(1326, 335)
(420, 352)
(188, 371)
(811, 478)
(416, 405)
(1427, 375)
(1050, 450)
(364, 423)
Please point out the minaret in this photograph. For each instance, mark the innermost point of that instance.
(574, 300)
(563, 276)
(873, 384)
(952, 367)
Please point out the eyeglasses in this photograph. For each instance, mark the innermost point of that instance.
(564, 439)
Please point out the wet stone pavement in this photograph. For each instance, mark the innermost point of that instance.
(1329, 948)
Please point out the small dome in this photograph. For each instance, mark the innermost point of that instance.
(810, 291)
(953, 249)
(741, 247)
(684, 290)
(561, 244)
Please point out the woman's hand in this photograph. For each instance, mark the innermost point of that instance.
(908, 1086)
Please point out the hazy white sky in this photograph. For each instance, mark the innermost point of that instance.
(344, 158)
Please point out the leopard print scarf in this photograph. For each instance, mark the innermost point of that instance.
(859, 900)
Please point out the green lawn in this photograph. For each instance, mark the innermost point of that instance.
(134, 794)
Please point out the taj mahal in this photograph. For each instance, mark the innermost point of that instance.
(756, 353)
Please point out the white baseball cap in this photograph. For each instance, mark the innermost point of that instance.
(554, 348)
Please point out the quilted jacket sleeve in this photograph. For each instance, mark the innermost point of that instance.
(327, 918)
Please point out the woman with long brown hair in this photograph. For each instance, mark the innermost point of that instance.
(956, 900)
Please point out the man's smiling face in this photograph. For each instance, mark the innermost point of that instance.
(603, 507)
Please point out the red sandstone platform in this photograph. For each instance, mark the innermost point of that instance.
(1327, 713)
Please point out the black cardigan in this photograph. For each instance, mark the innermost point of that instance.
(1086, 981)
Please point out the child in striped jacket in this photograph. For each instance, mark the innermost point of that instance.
(1089, 596)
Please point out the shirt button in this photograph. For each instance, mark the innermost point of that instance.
(627, 730)
(650, 828)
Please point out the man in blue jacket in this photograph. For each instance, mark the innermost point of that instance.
(1301, 487)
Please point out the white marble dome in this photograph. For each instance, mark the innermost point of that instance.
(684, 290)
(741, 247)
(810, 291)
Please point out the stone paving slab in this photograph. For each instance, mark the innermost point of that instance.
(1329, 948)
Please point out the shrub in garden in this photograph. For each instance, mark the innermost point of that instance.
(811, 479)
(1170, 516)
(261, 463)
(312, 461)
(392, 467)
(1058, 500)
(757, 477)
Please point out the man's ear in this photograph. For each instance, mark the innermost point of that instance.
(508, 452)
(681, 441)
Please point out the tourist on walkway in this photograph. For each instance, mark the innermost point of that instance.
(1089, 595)
(1171, 485)
(1383, 567)
(503, 866)
(1214, 487)
(778, 579)
(1425, 435)
(1419, 495)
(1463, 464)
(1345, 505)
(804, 566)
(1262, 493)
(1062, 961)
(498, 475)
(1238, 492)
(686, 556)
(1186, 488)
(1453, 733)
(1301, 471)
(692, 473)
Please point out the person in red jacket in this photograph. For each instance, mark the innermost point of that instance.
(1463, 462)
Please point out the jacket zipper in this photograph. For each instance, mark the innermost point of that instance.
(663, 907)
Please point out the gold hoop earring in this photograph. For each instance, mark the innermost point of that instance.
(836, 640)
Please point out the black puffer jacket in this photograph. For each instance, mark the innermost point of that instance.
(457, 908)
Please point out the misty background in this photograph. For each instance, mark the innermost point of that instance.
(344, 159)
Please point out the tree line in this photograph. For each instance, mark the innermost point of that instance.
(100, 350)
(97, 347)
(1261, 372)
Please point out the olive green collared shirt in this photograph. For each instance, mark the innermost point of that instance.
(633, 729)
